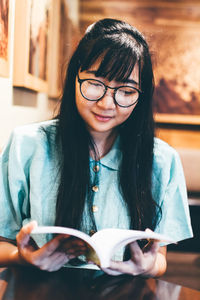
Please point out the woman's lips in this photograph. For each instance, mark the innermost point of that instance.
(102, 118)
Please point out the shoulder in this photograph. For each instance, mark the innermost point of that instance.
(166, 161)
(27, 139)
(35, 130)
(164, 154)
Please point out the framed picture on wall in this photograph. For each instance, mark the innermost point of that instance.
(53, 66)
(66, 22)
(5, 23)
(177, 73)
(33, 49)
(69, 37)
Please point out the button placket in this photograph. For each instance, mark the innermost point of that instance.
(96, 168)
(95, 188)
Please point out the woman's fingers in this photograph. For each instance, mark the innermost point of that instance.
(50, 247)
(121, 267)
(54, 262)
(53, 255)
(136, 252)
(53, 247)
(152, 247)
(72, 244)
(142, 260)
(112, 270)
(124, 267)
(131, 266)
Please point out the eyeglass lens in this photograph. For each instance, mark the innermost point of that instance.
(94, 90)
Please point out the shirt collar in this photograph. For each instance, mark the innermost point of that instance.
(113, 158)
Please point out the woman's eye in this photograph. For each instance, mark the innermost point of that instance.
(127, 92)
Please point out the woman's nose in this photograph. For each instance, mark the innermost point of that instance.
(107, 102)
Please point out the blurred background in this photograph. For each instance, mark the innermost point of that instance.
(37, 38)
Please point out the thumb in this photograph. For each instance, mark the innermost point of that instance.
(148, 230)
(152, 245)
(24, 235)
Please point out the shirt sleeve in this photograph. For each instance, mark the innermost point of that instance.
(175, 221)
(14, 183)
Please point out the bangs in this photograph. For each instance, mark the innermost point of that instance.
(117, 61)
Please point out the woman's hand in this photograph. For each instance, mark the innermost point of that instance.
(53, 255)
(149, 261)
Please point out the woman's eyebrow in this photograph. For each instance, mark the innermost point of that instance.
(90, 72)
(126, 81)
(131, 81)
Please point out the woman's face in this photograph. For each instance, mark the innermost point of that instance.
(104, 115)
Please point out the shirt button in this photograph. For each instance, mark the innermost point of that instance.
(95, 188)
(95, 208)
(96, 168)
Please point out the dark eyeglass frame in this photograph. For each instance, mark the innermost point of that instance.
(106, 88)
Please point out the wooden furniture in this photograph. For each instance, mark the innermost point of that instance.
(22, 283)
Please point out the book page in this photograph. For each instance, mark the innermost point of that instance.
(107, 241)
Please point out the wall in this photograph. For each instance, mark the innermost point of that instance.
(18, 106)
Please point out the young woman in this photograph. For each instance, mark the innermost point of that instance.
(98, 164)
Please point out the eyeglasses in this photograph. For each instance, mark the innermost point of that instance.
(95, 90)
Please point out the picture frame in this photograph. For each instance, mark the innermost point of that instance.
(64, 37)
(177, 77)
(34, 54)
(5, 32)
(54, 59)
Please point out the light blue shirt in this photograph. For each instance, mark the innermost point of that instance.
(29, 178)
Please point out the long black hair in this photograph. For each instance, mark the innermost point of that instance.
(121, 47)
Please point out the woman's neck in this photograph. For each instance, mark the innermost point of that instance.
(103, 142)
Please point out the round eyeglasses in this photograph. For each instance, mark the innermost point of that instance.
(95, 90)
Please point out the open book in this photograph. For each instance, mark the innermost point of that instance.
(103, 244)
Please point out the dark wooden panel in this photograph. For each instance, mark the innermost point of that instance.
(140, 13)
